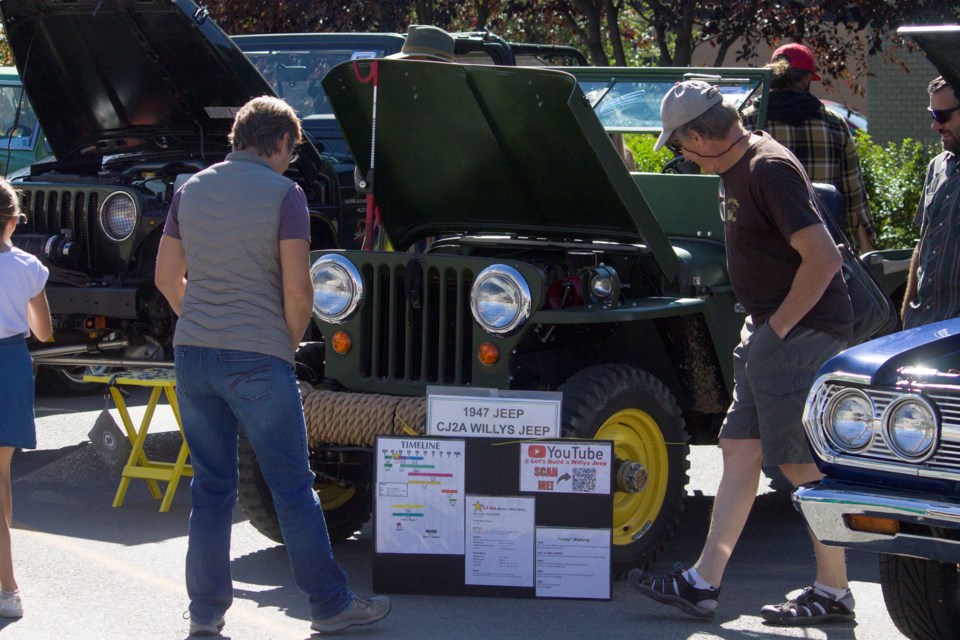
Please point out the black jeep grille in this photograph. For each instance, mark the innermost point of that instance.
(416, 324)
(53, 211)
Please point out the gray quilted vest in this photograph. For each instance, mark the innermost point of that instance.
(229, 220)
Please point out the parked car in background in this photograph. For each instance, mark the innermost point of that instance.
(855, 120)
(128, 124)
(21, 140)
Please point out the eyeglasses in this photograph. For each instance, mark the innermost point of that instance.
(676, 147)
(942, 116)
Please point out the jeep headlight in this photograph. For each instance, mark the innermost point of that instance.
(910, 425)
(500, 299)
(118, 216)
(848, 419)
(337, 288)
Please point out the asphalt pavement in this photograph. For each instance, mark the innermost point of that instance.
(89, 571)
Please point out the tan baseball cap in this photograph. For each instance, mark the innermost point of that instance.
(685, 102)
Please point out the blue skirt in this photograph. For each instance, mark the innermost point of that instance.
(17, 428)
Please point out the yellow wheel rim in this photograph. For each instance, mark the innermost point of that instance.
(333, 496)
(636, 436)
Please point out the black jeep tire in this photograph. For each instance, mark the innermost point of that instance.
(637, 411)
(345, 510)
(922, 596)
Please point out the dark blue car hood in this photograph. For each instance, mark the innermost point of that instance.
(934, 346)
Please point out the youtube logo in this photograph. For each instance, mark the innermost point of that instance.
(536, 451)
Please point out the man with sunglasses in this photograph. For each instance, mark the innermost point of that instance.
(933, 285)
(784, 268)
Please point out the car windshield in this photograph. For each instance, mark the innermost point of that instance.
(16, 133)
(295, 74)
(624, 105)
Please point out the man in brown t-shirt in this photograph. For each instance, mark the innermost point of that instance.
(785, 271)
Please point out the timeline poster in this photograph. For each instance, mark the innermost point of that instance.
(420, 501)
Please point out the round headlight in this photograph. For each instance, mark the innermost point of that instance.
(848, 419)
(337, 288)
(500, 299)
(910, 425)
(118, 216)
(602, 287)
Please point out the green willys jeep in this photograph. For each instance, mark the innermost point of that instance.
(549, 267)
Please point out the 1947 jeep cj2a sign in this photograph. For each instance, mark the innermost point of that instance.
(550, 267)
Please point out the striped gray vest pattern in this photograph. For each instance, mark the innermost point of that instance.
(229, 219)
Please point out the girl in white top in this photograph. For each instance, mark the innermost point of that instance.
(23, 308)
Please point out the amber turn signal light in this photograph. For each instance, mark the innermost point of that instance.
(488, 354)
(870, 524)
(341, 342)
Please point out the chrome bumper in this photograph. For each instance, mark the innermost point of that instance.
(824, 509)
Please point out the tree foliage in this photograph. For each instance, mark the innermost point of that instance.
(843, 32)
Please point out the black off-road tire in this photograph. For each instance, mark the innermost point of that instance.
(256, 502)
(619, 399)
(922, 597)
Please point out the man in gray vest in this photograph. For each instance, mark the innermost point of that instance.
(233, 264)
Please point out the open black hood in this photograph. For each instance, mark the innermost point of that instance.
(941, 44)
(481, 149)
(121, 76)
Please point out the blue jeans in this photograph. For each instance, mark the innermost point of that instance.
(217, 390)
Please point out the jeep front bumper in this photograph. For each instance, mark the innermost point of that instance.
(844, 515)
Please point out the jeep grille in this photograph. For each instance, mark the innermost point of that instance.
(416, 324)
(945, 462)
(53, 211)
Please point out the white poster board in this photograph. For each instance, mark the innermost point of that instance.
(558, 467)
(573, 563)
(499, 547)
(492, 413)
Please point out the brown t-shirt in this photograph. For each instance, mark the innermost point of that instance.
(765, 198)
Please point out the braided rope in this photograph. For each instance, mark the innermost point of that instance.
(357, 418)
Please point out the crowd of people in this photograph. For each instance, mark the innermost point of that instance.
(243, 226)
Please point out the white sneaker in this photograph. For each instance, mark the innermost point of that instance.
(10, 605)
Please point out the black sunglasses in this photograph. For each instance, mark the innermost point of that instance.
(675, 148)
(942, 116)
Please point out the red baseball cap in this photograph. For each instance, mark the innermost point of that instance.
(800, 57)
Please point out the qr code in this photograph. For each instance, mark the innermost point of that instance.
(584, 480)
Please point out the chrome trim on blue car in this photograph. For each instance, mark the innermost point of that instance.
(824, 510)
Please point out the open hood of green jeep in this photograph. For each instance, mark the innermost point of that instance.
(477, 149)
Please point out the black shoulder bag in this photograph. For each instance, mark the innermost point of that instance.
(873, 311)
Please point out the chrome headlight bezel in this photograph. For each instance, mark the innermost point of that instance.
(512, 284)
(890, 428)
(118, 216)
(348, 277)
(831, 421)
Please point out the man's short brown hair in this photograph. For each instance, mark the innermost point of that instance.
(261, 123)
(938, 84)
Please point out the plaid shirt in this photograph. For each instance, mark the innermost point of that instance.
(938, 273)
(827, 151)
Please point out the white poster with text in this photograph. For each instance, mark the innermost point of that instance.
(420, 503)
(573, 563)
(499, 547)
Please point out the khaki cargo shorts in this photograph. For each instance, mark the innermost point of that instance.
(771, 380)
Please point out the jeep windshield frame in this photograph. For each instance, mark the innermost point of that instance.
(627, 99)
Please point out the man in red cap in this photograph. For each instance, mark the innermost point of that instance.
(818, 137)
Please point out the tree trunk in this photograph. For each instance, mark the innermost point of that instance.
(612, 11)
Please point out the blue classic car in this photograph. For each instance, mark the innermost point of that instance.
(884, 421)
